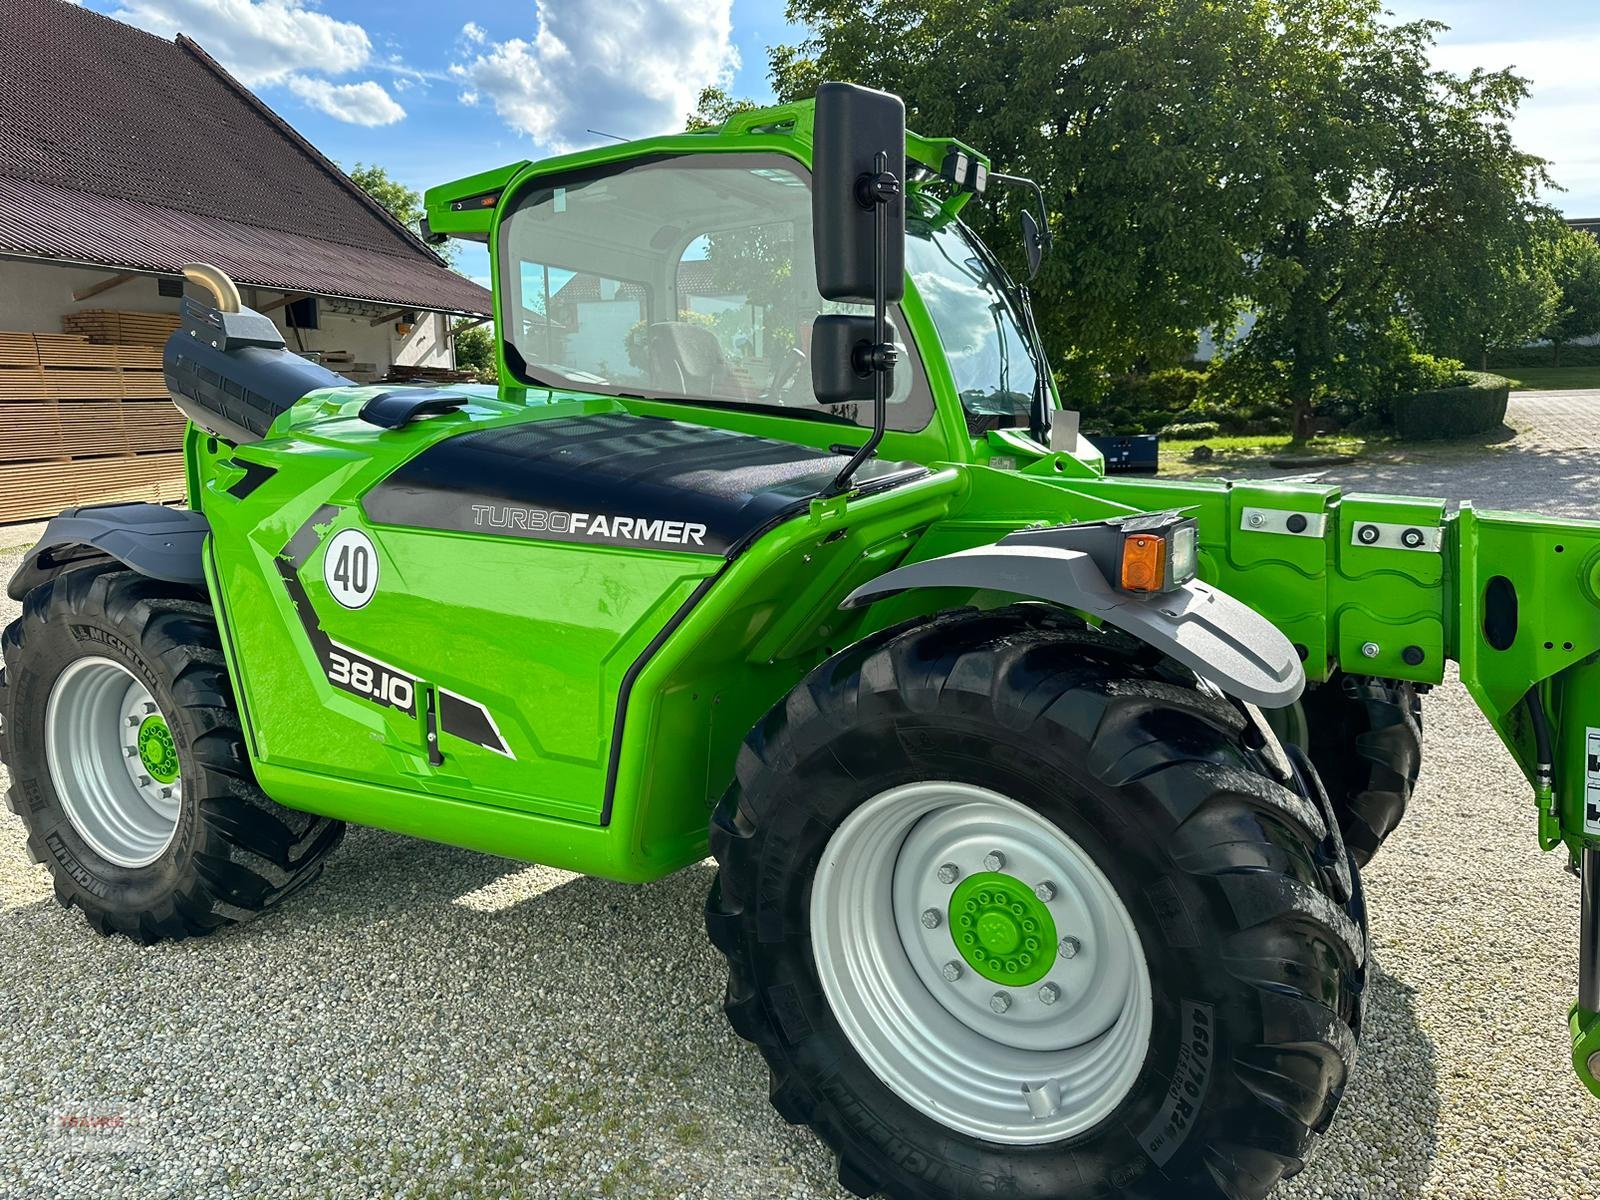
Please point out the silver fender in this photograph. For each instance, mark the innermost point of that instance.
(1216, 636)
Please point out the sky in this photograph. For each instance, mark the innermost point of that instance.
(433, 92)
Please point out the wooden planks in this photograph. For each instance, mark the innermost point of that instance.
(84, 422)
(52, 431)
(33, 490)
(116, 327)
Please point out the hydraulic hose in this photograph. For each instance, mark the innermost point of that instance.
(1589, 936)
(1543, 770)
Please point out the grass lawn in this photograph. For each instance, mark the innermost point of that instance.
(1528, 379)
(1235, 453)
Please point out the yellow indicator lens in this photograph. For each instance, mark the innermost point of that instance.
(1144, 562)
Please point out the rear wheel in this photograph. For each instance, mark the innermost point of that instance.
(128, 764)
(1010, 905)
(1365, 739)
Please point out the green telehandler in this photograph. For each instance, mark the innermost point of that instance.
(1038, 797)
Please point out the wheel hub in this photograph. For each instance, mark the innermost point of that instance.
(1002, 930)
(156, 750)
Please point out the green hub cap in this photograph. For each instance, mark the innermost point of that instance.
(156, 751)
(1003, 931)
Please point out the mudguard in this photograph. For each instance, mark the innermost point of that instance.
(163, 543)
(1216, 636)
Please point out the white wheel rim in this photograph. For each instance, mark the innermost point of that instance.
(92, 724)
(1037, 1072)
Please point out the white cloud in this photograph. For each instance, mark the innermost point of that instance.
(258, 41)
(474, 33)
(1560, 119)
(364, 103)
(630, 67)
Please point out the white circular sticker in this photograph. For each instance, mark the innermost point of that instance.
(350, 568)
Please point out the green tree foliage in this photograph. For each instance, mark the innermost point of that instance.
(1389, 175)
(1575, 268)
(402, 203)
(1299, 158)
(1135, 118)
(474, 349)
(713, 107)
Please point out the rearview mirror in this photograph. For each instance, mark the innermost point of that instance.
(853, 126)
(840, 347)
(1032, 245)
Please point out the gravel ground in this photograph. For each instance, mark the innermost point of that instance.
(430, 1022)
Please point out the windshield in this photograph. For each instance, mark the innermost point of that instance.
(680, 278)
(969, 299)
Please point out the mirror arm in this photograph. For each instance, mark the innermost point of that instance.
(875, 191)
(1046, 238)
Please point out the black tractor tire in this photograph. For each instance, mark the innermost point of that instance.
(1241, 893)
(1366, 743)
(234, 852)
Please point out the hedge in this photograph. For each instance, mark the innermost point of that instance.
(1544, 356)
(1192, 431)
(1477, 405)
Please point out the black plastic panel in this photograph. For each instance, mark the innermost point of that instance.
(614, 479)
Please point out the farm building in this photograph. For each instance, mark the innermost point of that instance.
(122, 157)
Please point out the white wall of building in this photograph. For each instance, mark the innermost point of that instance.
(34, 296)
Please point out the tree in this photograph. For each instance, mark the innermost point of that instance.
(474, 349)
(1498, 301)
(1575, 267)
(401, 202)
(714, 106)
(1299, 158)
(1135, 118)
(1387, 175)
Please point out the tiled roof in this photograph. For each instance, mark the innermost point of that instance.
(123, 149)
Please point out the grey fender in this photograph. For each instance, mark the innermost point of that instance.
(1216, 636)
(163, 543)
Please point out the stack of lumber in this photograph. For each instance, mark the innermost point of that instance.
(403, 373)
(342, 362)
(82, 422)
(113, 327)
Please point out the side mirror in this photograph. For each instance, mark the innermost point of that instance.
(1032, 244)
(853, 126)
(840, 348)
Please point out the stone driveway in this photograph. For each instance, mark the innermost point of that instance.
(1546, 459)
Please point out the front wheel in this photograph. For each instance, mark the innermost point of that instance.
(1011, 907)
(128, 765)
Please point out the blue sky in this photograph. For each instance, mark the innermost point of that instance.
(436, 91)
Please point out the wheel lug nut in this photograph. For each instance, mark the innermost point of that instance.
(930, 918)
(951, 971)
(1070, 947)
(1000, 1002)
(133, 722)
(994, 861)
(149, 707)
(1046, 891)
(1049, 994)
(949, 873)
(145, 781)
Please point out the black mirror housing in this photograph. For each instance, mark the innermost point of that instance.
(1032, 244)
(841, 346)
(853, 126)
